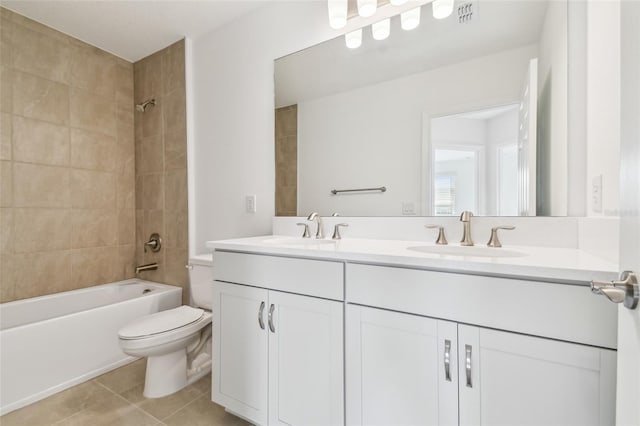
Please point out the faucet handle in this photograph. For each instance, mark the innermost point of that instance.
(494, 241)
(306, 233)
(442, 239)
(336, 231)
(154, 243)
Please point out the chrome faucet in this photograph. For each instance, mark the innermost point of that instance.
(315, 216)
(465, 218)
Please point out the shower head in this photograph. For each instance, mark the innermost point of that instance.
(142, 106)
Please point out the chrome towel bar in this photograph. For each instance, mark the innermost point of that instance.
(338, 191)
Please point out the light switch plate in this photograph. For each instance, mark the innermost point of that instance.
(596, 194)
(408, 208)
(250, 203)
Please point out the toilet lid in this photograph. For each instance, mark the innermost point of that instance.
(161, 322)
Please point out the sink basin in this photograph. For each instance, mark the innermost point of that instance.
(302, 242)
(467, 251)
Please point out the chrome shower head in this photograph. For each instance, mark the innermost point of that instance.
(142, 106)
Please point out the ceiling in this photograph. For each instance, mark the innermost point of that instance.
(133, 30)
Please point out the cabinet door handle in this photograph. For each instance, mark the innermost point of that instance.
(447, 360)
(260, 312)
(467, 364)
(271, 326)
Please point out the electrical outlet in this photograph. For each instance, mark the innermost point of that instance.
(408, 208)
(250, 203)
(596, 194)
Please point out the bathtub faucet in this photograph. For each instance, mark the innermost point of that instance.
(147, 267)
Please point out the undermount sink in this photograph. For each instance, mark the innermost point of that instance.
(467, 251)
(304, 242)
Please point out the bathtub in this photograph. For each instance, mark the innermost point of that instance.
(50, 343)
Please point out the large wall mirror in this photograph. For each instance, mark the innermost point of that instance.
(457, 114)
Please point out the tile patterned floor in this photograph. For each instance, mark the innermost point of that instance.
(115, 398)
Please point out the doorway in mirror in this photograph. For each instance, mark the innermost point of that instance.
(475, 162)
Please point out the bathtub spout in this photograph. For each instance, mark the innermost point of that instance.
(147, 267)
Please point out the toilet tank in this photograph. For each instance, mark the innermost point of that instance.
(201, 280)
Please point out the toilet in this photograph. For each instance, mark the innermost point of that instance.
(176, 342)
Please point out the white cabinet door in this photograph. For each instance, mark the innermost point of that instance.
(395, 369)
(512, 379)
(306, 385)
(240, 363)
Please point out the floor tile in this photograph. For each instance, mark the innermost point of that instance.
(161, 408)
(110, 410)
(204, 384)
(203, 412)
(115, 398)
(124, 378)
(58, 406)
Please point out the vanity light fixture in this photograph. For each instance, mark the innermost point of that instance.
(381, 29)
(367, 8)
(353, 39)
(410, 19)
(442, 8)
(337, 13)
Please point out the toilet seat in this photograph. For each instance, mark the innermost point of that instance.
(161, 322)
(159, 340)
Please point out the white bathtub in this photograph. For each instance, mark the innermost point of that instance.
(50, 343)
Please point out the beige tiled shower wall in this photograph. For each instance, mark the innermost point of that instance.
(286, 128)
(67, 184)
(161, 164)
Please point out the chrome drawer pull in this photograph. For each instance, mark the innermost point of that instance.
(271, 326)
(260, 312)
(447, 360)
(467, 350)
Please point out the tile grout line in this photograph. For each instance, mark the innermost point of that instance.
(127, 401)
(138, 406)
(187, 404)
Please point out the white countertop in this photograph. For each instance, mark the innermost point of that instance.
(561, 265)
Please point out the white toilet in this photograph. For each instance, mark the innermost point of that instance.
(176, 342)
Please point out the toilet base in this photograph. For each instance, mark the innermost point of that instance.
(165, 374)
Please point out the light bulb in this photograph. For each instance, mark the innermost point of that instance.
(367, 8)
(397, 2)
(337, 13)
(410, 19)
(442, 8)
(353, 39)
(381, 29)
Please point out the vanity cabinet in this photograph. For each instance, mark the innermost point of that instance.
(511, 367)
(301, 341)
(514, 379)
(400, 369)
(278, 356)
(405, 369)
(241, 350)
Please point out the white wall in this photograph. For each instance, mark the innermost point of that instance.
(553, 69)
(371, 117)
(501, 130)
(232, 110)
(603, 103)
(231, 103)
